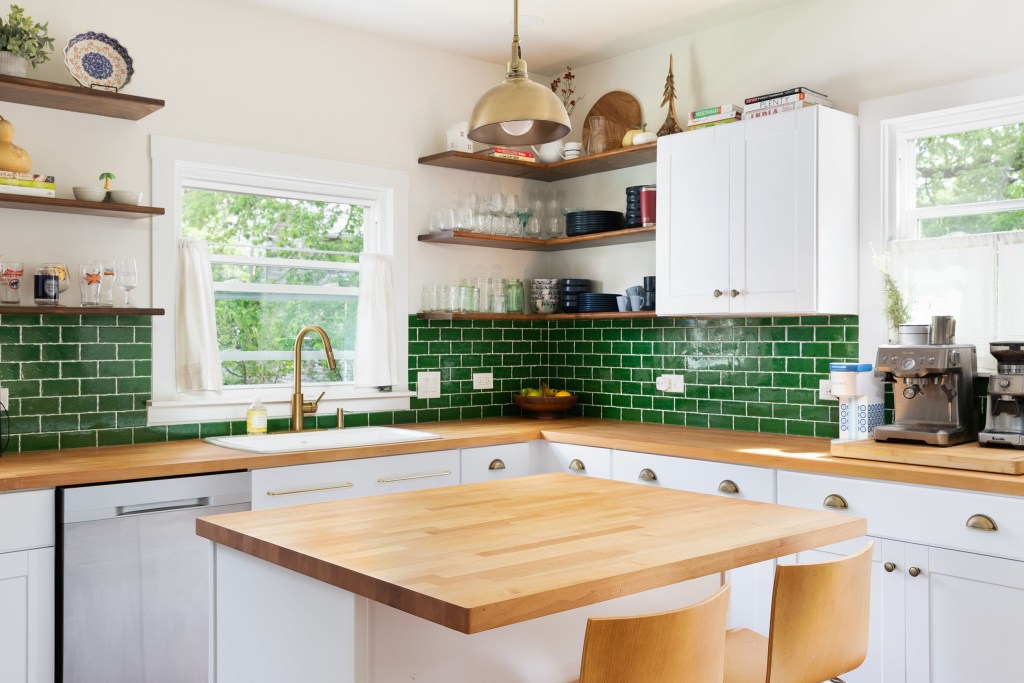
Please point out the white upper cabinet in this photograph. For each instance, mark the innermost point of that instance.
(759, 217)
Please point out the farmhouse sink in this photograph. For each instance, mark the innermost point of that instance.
(287, 442)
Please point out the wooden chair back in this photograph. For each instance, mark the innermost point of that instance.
(819, 626)
(682, 646)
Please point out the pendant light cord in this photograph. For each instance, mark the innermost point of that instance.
(514, 65)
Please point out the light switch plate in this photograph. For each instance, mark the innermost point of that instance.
(5, 397)
(674, 384)
(483, 380)
(428, 385)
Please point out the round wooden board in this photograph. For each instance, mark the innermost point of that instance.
(621, 112)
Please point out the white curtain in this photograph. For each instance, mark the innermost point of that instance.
(197, 353)
(376, 360)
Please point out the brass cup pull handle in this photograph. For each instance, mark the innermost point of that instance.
(982, 523)
(496, 464)
(718, 293)
(914, 571)
(835, 502)
(889, 567)
(577, 465)
(647, 474)
(734, 293)
(728, 486)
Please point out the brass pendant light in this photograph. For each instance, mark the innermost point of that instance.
(519, 111)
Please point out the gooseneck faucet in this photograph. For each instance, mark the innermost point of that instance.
(300, 406)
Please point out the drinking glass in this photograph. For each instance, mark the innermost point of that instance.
(127, 278)
(107, 283)
(62, 273)
(90, 277)
(11, 276)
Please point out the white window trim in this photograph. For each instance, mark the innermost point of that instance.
(224, 166)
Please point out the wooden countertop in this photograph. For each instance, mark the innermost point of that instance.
(46, 469)
(479, 556)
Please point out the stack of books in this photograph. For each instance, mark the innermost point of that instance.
(508, 153)
(714, 116)
(27, 184)
(782, 101)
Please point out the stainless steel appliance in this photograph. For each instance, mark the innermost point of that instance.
(135, 577)
(933, 392)
(1004, 409)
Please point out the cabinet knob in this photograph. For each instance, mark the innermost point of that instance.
(728, 486)
(835, 502)
(734, 293)
(647, 474)
(496, 464)
(914, 571)
(577, 465)
(982, 523)
(889, 567)
(718, 293)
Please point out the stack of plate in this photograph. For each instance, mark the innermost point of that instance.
(593, 302)
(569, 294)
(633, 218)
(589, 222)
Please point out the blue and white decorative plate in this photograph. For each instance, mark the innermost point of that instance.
(98, 61)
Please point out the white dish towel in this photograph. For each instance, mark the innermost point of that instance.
(197, 353)
(376, 360)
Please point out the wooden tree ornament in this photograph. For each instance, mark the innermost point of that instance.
(669, 97)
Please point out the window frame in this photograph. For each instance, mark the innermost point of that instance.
(182, 163)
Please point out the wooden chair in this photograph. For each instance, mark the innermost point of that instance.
(682, 646)
(819, 626)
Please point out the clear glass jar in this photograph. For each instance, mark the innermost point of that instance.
(515, 297)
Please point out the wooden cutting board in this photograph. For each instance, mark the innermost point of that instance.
(621, 112)
(967, 456)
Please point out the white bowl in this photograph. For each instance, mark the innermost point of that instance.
(126, 197)
(89, 194)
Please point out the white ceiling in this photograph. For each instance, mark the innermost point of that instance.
(554, 34)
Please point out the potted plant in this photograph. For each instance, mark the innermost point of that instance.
(22, 42)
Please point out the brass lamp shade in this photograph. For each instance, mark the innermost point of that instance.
(518, 99)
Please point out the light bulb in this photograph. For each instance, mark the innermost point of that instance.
(517, 127)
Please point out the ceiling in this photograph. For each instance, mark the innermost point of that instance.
(554, 34)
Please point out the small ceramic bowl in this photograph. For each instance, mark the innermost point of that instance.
(126, 197)
(89, 194)
(544, 307)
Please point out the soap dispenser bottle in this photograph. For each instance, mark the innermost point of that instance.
(256, 418)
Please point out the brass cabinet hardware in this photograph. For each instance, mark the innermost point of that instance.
(718, 293)
(647, 474)
(982, 523)
(835, 502)
(577, 465)
(414, 476)
(728, 486)
(734, 293)
(288, 492)
(496, 464)
(914, 571)
(889, 567)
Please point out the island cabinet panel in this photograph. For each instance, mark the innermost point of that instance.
(495, 462)
(586, 461)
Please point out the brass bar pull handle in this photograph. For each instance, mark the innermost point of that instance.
(414, 476)
(718, 293)
(889, 567)
(914, 571)
(496, 464)
(982, 523)
(728, 486)
(835, 502)
(647, 474)
(288, 492)
(577, 465)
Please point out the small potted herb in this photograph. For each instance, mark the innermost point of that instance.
(22, 42)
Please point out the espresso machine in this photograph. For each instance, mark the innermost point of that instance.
(1004, 410)
(933, 388)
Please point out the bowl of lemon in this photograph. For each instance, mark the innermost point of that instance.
(544, 403)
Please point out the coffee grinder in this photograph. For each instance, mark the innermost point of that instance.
(1004, 410)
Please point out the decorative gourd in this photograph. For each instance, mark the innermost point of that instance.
(12, 157)
(627, 140)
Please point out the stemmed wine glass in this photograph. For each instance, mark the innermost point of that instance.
(127, 278)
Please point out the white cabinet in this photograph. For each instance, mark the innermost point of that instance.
(27, 587)
(586, 461)
(489, 463)
(759, 216)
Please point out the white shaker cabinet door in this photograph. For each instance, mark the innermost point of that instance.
(26, 616)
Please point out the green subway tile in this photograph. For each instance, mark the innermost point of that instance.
(78, 335)
(829, 334)
(773, 395)
(19, 352)
(814, 413)
(675, 418)
(40, 370)
(83, 439)
(814, 320)
(697, 420)
(785, 411)
(116, 335)
(786, 348)
(39, 442)
(801, 396)
(842, 320)
(61, 352)
(78, 404)
(131, 418)
(134, 321)
(24, 388)
(746, 424)
(134, 351)
(815, 350)
(799, 428)
(143, 368)
(133, 385)
(59, 387)
(99, 351)
(39, 406)
(771, 425)
(97, 420)
(58, 423)
(34, 335)
(734, 408)
(10, 371)
(720, 421)
(208, 429)
(114, 437)
(78, 370)
(19, 320)
(844, 350)
(759, 409)
(149, 434)
(102, 385)
(182, 432)
(61, 320)
(828, 431)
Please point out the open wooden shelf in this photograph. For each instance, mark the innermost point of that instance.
(476, 239)
(32, 309)
(536, 316)
(76, 98)
(57, 205)
(624, 157)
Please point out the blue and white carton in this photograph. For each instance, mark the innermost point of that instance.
(861, 400)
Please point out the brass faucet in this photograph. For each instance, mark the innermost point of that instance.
(300, 406)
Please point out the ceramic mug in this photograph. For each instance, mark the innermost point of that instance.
(572, 150)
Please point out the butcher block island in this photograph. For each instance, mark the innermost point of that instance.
(481, 582)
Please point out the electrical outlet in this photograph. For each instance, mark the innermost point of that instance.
(5, 397)
(483, 380)
(671, 383)
(662, 383)
(428, 385)
(825, 390)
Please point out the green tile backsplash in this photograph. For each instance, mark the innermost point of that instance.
(84, 380)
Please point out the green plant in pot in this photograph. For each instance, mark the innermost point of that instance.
(23, 41)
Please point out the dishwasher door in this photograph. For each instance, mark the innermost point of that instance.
(136, 578)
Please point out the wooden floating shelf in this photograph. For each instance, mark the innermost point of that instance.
(537, 316)
(624, 157)
(476, 239)
(32, 309)
(57, 205)
(76, 98)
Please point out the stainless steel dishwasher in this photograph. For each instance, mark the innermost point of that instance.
(135, 578)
